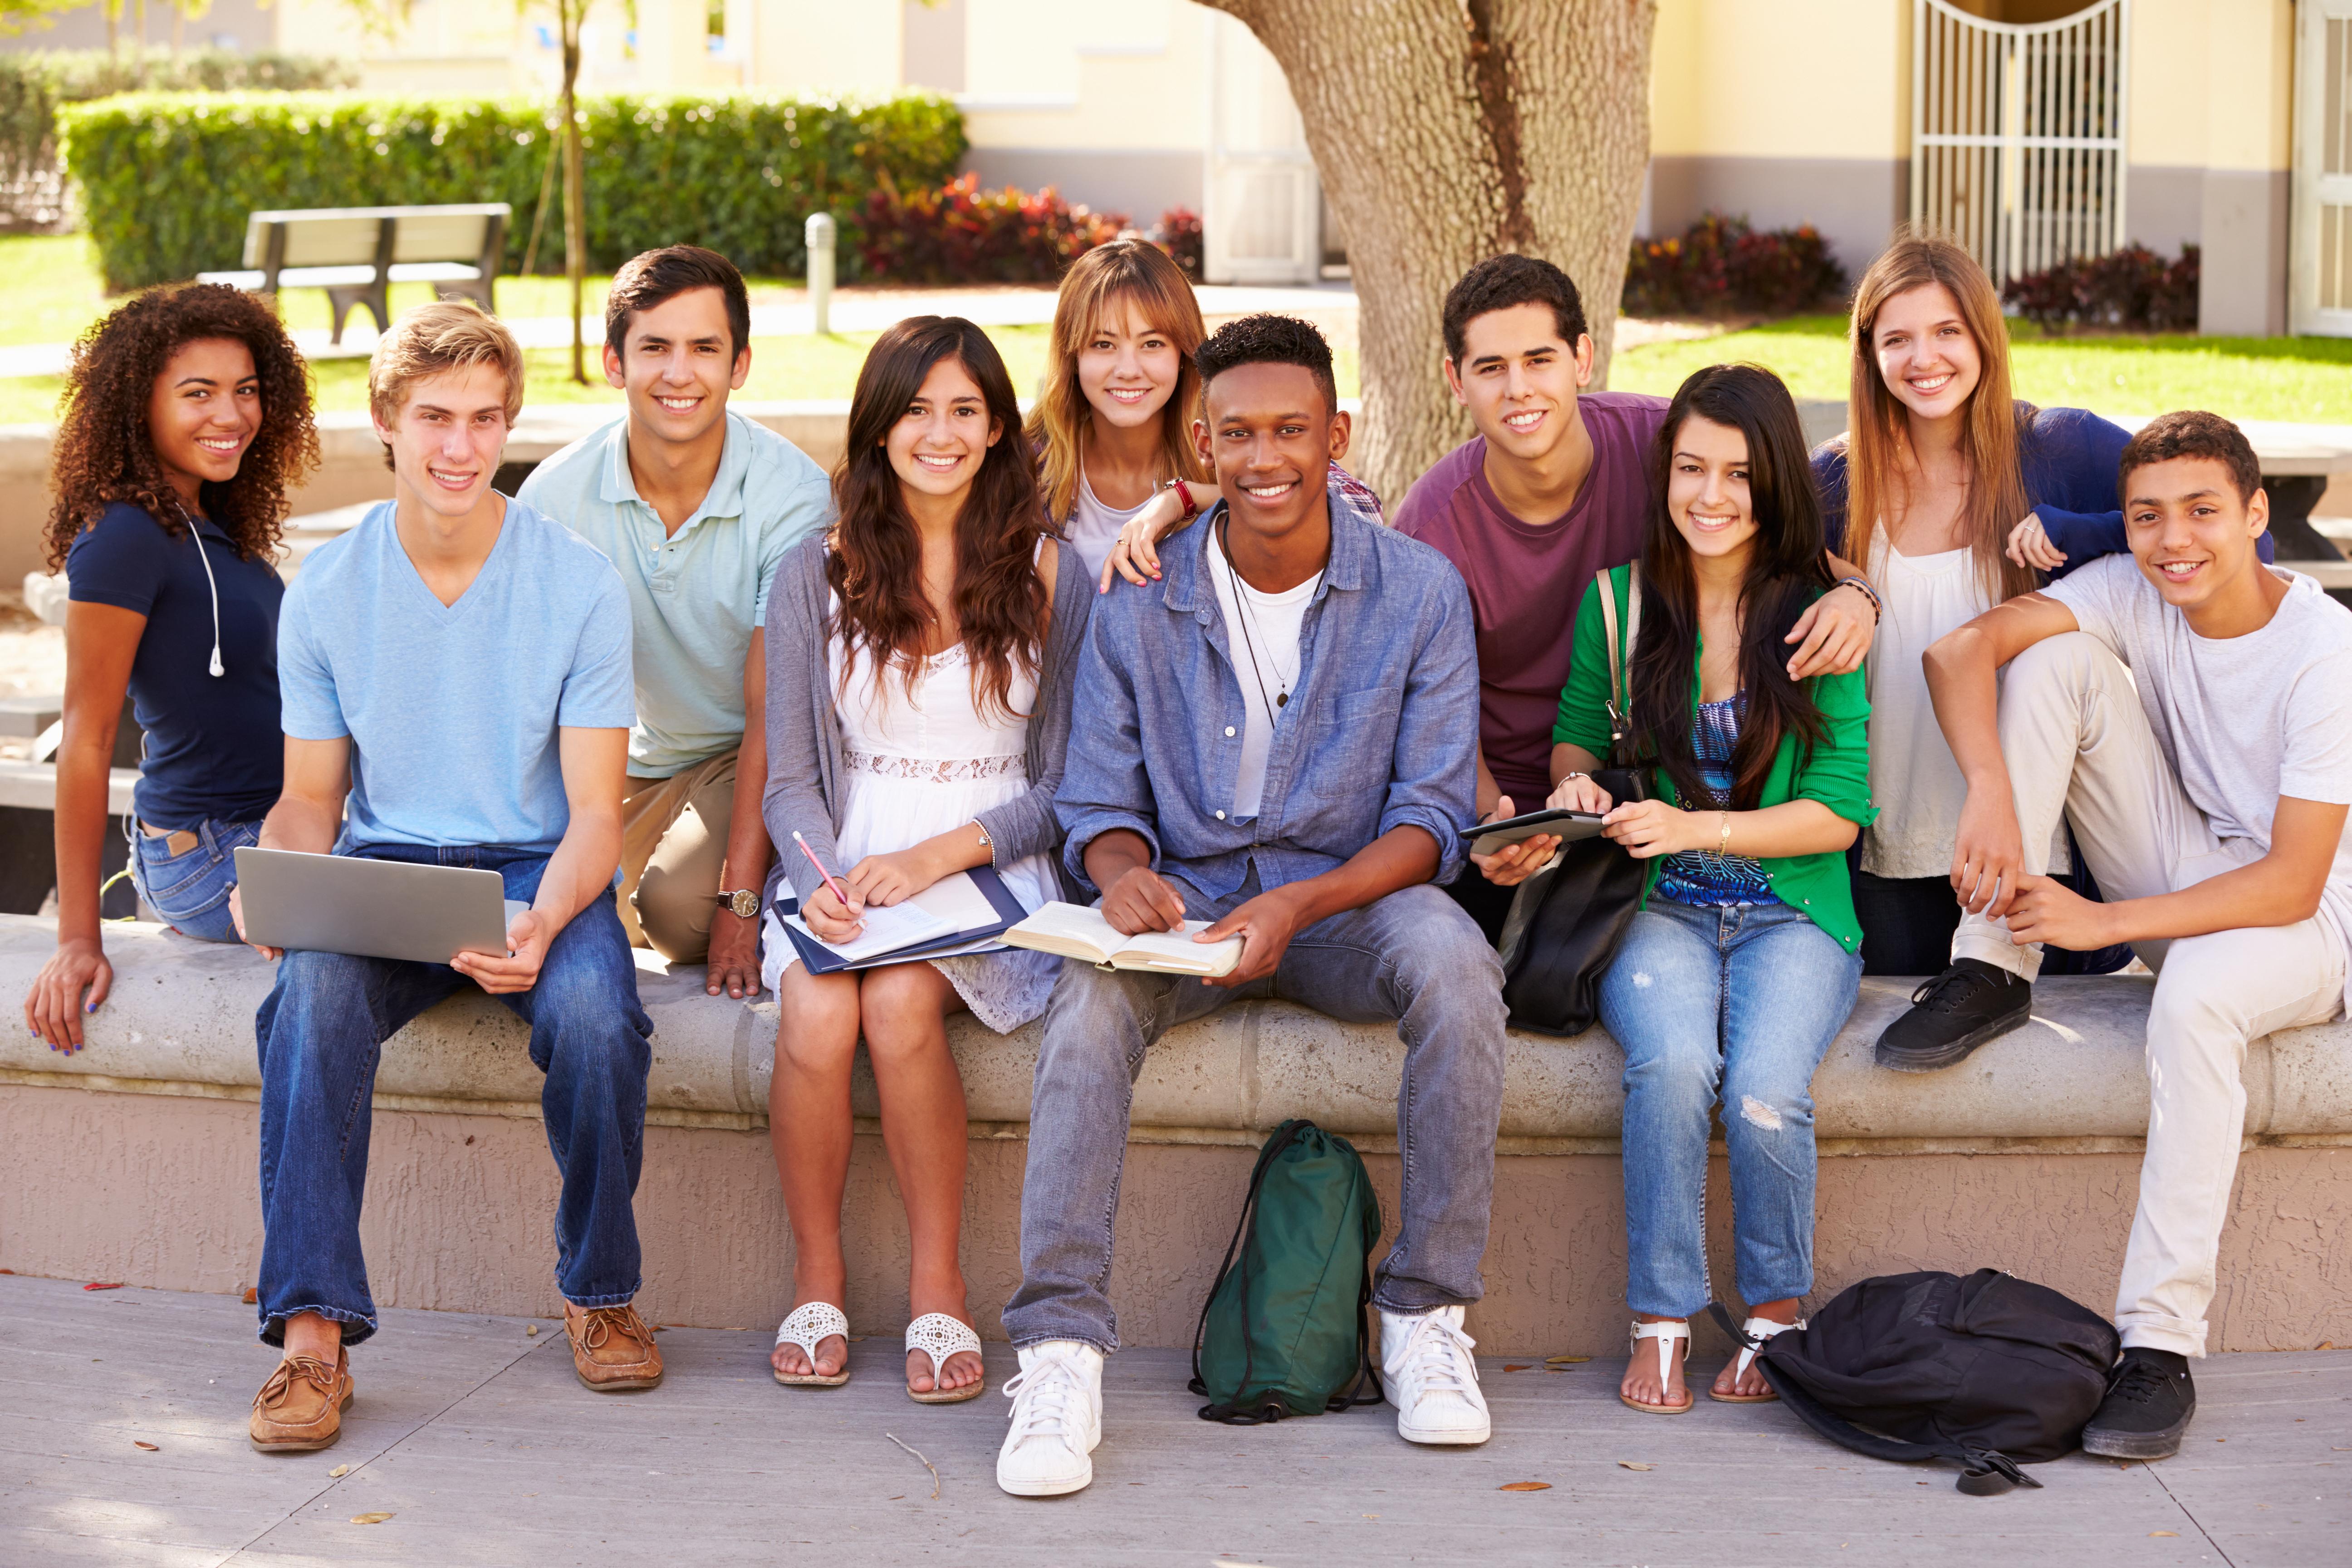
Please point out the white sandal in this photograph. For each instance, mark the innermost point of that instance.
(808, 1327)
(1665, 1334)
(1757, 1330)
(939, 1336)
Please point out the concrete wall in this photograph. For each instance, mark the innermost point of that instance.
(460, 1208)
(136, 1159)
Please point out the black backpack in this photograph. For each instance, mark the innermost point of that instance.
(1992, 1370)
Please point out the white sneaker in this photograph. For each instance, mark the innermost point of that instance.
(1056, 1420)
(1427, 1370)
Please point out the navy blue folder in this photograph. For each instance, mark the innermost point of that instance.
(818, 959)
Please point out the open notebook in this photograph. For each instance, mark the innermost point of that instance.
(963, 912)
(1083, 934)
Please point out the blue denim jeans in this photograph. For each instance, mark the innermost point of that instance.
(1413, 957)
(321, 1033)
(191, 890)
(1735, 1007)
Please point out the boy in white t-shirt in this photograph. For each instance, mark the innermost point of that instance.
(2207, 783)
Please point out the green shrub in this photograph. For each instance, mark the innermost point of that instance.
(167, 179)
(33, 85)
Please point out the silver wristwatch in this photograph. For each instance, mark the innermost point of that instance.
(743, 901)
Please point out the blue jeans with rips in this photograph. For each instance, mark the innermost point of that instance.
(1413, 957)
(1734, 1005)
(321, 1032)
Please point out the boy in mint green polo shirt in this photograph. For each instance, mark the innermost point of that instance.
(695, 506)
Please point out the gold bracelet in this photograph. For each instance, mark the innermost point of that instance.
(1723, 841)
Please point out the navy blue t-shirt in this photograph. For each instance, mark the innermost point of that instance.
(214, 747)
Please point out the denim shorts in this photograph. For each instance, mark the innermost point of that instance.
(190, 890)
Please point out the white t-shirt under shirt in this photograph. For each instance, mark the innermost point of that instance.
(1267, 632)
(1092, 528)
(2244, 720)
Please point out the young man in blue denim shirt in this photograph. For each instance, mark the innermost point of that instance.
(1278, 736)
(455, 683)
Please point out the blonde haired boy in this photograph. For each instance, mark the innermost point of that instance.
(454, 676)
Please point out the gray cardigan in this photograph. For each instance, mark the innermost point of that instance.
(805, 750)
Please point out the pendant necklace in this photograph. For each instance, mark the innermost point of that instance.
(1248, 615)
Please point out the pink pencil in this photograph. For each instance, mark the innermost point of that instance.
(837, 890)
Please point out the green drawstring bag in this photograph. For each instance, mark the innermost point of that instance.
(1285, 1330)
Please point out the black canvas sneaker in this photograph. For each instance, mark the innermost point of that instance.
(1953, 1013)
(2149, 1405)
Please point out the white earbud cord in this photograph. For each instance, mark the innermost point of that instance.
(216, 667)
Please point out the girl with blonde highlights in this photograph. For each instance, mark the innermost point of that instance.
(1952, 496)
(1112, 426)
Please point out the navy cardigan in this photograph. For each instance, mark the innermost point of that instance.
(2069, 458)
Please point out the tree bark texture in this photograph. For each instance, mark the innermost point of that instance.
(1448, 131)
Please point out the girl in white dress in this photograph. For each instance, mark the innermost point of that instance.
(920, 660)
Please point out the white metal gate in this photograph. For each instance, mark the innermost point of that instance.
(1261, 197)
(2017, 133)
(2319, 287)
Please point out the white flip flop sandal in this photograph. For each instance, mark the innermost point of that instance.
(939, 1336)
(1663, 1335)
(1757, 1331)
(808, 1327)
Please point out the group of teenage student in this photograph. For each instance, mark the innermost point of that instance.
(679, 646)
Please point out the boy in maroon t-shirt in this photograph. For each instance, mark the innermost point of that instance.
(1554, 487)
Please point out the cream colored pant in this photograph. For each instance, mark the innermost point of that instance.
(2076, 740)
(673, 846)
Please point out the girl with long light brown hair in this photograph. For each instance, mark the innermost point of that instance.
(920, 662)
(1952, 495)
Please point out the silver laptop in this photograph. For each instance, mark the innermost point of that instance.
(371, 908)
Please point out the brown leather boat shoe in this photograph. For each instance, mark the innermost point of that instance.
(301, 1407)
(612, 1350)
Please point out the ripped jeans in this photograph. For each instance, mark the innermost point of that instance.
(1736, 1006)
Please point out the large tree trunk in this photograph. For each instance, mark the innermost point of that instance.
(1447, 130)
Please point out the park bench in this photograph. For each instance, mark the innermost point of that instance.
(356, 254)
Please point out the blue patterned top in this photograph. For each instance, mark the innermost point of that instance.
(1702, 877)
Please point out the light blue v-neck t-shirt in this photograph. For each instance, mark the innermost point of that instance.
(452, 710)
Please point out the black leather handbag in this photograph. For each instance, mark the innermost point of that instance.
(1567, 920)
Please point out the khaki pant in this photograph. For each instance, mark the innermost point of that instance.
(673, 846)
(2075, 739)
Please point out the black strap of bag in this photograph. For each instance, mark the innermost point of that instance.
(1567, 922)
(1985, 1472)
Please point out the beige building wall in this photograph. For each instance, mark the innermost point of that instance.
(1797, 111)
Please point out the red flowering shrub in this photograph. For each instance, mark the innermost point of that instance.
(1720, 265)
(962, 234)
(1179, 235)
(2133, 289)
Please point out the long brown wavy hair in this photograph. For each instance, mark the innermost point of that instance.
(103, 451)
(1878, 426)
(876, 561)
(1096, 283)
(1787, 570)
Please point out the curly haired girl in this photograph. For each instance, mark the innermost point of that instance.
(186, 418)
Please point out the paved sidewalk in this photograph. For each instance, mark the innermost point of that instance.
(475, 1438)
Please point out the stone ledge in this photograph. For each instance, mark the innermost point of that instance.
(181, 1022)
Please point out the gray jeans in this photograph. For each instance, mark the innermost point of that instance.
(1412, 956)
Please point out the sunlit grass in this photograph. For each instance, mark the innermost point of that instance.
(2305, 379)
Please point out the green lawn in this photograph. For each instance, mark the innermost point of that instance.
(53, 292)
(2305, 379)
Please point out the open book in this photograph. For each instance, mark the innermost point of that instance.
(1082, 934)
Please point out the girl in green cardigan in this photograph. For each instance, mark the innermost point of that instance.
(1743, 960)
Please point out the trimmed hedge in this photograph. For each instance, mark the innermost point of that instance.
(167, 179)
(2133, 289)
